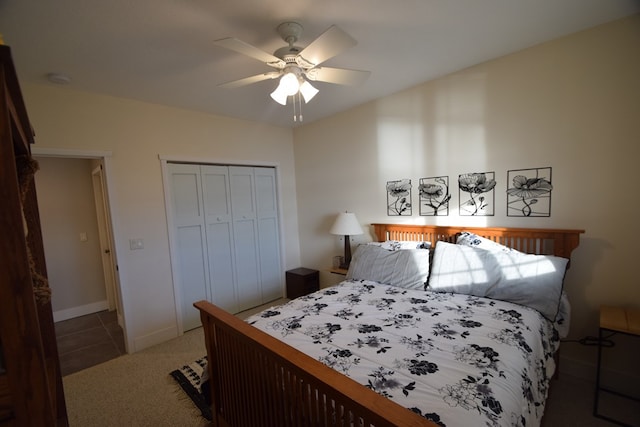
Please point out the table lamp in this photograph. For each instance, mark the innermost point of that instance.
(346, 225)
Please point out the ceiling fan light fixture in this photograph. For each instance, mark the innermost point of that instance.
(279, 95)
(289, 84)
(295, 66)
(308, 91)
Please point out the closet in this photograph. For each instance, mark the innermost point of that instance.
(225, 237)
(31, 392)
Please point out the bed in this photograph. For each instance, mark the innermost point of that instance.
(382, 349)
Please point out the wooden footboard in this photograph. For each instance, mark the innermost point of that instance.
(257, 380)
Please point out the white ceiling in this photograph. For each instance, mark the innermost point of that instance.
(161, 51)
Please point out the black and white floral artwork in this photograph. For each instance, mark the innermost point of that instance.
(529, 192)
(434, 196)
(399, 198)
(476, 192)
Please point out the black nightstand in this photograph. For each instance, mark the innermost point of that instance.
(302, 281)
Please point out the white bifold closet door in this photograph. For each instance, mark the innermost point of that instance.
(227, 236)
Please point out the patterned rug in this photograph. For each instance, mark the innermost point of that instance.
(188, 377)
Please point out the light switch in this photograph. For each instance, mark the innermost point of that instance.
(136, 244)
(83, 237)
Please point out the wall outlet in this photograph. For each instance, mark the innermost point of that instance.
(136, 244)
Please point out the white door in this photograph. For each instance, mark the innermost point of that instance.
(190, 235)
(245, 232)
(268, 233)
(106, 240)
(220, 240)
(225, 237)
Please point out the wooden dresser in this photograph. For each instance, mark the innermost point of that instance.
(31, 392)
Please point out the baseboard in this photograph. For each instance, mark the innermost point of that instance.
(624, 382)
(82, 310)
(154, 338)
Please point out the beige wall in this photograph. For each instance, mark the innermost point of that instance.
(572, 104)
(136, 134)
(67, 210)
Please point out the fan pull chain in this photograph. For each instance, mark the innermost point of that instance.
(295, 117)
(300, 106)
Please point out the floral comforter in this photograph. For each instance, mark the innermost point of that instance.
(457, 360)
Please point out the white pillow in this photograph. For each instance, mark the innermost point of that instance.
(471, 239)
(397, 245)
(531, 280)
(406, 268)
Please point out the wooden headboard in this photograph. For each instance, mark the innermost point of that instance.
(529, 240)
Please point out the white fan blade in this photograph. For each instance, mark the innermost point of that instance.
(249, 80)
(251, 51)
(339, 76)
(327, 45)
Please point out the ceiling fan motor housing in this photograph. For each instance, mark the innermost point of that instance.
(290, 32)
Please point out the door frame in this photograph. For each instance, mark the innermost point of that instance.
(112, 223)
(166, 184)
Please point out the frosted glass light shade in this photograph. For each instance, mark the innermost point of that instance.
(279, 96)
(346, 224)
(290, 84)
(308, 91)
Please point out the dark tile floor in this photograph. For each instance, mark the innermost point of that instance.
(88, 340)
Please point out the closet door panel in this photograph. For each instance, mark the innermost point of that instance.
(268, 233)
(247, 270)
(189, 231)
(217, 200)
(269, 260)
(245, 236)
(266, 199)
(192, 274)
(216, 187)
(186, 197)
(221, 266)
(242, 192)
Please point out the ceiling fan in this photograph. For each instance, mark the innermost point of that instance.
(296, 66)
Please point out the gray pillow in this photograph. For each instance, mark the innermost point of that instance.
(531, 280)
(406, 268)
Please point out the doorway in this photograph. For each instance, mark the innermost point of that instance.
(81, 260)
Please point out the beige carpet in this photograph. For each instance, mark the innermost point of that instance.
(136, 389)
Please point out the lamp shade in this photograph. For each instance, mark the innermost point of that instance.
(346, 224)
